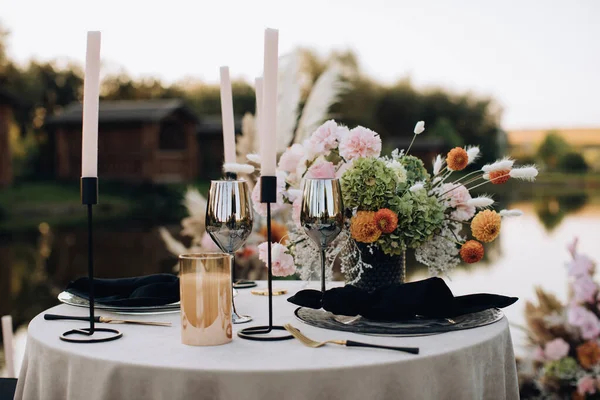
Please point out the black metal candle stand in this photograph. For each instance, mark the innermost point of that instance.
(89, 197)
(268, 195)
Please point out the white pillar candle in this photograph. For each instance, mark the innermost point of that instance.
(7, 338)
(258, 90)
(227, 117)
(268, 138)
(91, 93)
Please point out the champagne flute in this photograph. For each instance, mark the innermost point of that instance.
(229, 220)
(322, 214)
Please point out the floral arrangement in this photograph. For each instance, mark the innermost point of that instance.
(395, 204)
(565, 359)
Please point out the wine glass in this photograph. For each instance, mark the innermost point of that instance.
(229, 222)
(322, 214)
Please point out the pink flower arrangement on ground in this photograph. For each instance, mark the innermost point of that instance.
(566, 351)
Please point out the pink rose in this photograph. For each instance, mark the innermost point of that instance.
(313, 150)
(321, 170)
(457, 196)
(580, 265)
(282, 261)
(556, 349)
(290, 159)
(586, 385)
(360, 142)
(327, 135)
(584, 289)
(208, 244)
(261, 208)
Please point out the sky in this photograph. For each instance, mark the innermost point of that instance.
(540, 59)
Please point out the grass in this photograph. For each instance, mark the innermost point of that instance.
(24, 206)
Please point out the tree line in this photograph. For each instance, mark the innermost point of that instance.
(43, 88)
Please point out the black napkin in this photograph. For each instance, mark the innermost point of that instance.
(151, 290)
(430, 298)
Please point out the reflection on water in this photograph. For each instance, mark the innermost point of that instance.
(530, 251)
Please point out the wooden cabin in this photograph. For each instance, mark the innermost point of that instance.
(7, 102)
(138, 141)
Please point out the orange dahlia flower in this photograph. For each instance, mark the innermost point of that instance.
(457, 159)
(499, 177)
(386, 220)
(588, 354)
(471, 252)
(486, 225)
(363, 227)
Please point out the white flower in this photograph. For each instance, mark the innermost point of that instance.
(511, 213)
(419, 127)
(255, 158)
(500, 165)
(416, 187)
(473, 152)
(482, 201)
(438, 162)
(399, 169)
(527, 173)
(237, 168)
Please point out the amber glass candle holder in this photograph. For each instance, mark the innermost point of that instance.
(205, 285)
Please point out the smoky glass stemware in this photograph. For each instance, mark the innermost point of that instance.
(229, 219)
(322, 214)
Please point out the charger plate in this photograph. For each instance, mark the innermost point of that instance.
(415, 327)
(71, 299)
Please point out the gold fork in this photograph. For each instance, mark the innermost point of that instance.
(348, 343)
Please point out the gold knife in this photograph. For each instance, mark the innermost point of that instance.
(107, 320)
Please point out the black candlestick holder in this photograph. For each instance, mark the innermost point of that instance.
(89, 197)
(268, 195)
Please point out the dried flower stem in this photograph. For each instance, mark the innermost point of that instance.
(411, 143)
(483, 183)
(469, 174)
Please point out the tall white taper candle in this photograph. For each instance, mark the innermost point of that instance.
(7, 335)
(258, 114)
(91, 93)
(268, 138)
(227, 117)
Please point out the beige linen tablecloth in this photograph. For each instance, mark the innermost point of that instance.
(150, 363)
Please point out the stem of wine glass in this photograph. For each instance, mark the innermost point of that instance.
(322, 269)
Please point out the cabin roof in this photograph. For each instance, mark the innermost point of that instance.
(125, 111)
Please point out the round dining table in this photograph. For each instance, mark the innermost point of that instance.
(151, 363)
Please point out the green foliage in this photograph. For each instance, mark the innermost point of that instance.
(565, 368)
(415, 170)
(368, 185)
(419, 217)
(572, 162)
(552, 149)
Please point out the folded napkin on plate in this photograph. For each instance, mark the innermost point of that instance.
(430, 298)
(151, 290)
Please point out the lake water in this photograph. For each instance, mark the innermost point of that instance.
(530, 251)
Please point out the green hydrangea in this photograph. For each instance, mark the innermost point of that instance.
(419, 217)
(368, 185)
(565, 368)
(415, 170)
